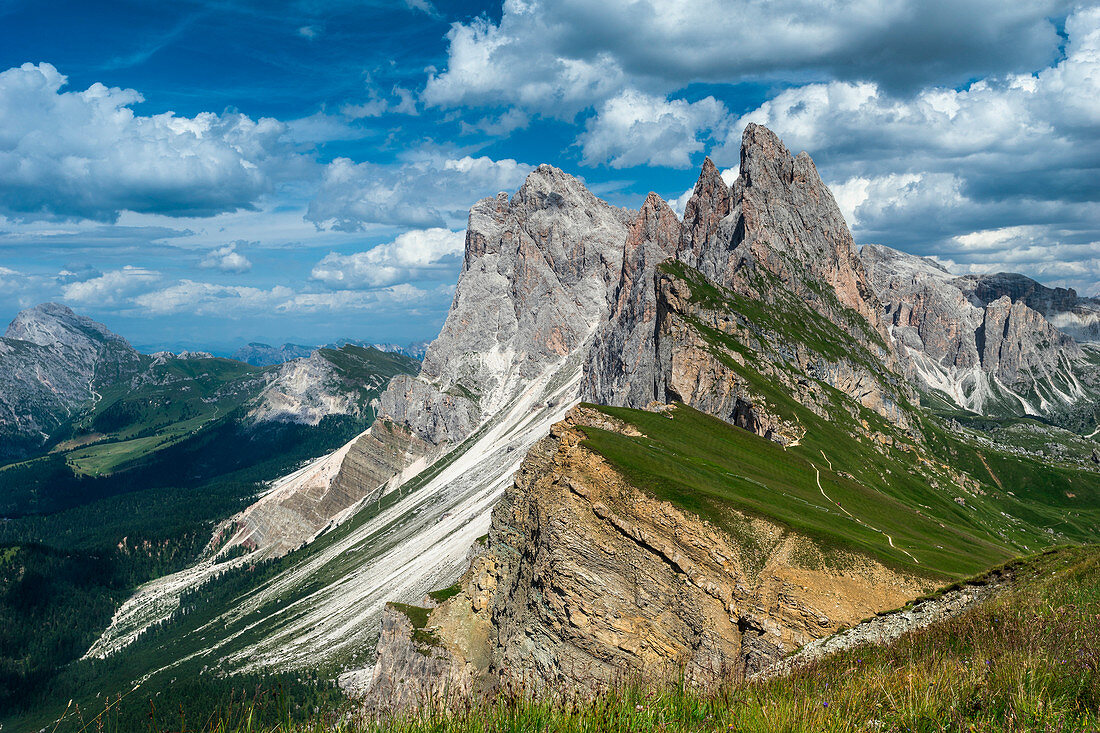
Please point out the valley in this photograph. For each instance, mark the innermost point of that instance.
(130, 487)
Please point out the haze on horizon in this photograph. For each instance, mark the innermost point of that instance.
(203, 174)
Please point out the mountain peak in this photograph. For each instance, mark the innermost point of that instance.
(48, 323)
(709, 203)
(765, 160)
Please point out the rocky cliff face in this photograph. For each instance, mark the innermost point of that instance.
(345, 381)
(995, 356)
(305, 391)
(769, 261)
(622, 366)
(1073, 315)
(586, 579)
(781, 219)
(52, 362)
(536, 282)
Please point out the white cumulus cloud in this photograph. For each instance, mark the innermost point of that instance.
(226, 259)
(86, 154)
(559, 56)
(408, 256)
(111, 288)
(427, 190)
(634, 128)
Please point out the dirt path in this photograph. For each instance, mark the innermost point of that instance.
(991, 474)
(889, 539)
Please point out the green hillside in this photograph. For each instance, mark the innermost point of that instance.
(134, 495)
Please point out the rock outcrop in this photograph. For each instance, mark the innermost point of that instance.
(1071, 314)
(536, 282)
(622, 367)
(990, 357)
(345, 381)
(885, 628)
(587, 580)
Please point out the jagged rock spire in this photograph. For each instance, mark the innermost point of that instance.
(708, 205)
(780, 216)
(620, 369)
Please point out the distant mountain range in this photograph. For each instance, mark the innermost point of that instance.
(66, 380)
(260, 354)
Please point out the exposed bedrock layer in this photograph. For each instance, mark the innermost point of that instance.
(585, 579)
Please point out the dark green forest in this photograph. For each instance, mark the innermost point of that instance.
(74, 547)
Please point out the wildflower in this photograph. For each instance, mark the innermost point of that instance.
(825, 704)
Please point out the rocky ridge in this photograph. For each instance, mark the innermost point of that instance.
(1071, 314)
(989, 355)
(774, 240)
(345, 381)
(886, 627)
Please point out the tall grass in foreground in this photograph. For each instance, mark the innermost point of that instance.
(1026, 661)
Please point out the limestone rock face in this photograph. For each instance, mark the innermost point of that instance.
(344, 381)
(994, 356)
(777, 238)
(709, 204)
(1017, 342)
(782, 219)
(622, 368)
(411, 674)
(708, 355)
(1073, 315)
(300, 393)
(308, 501)
(586, 579)
(537, 280)
(52, 362)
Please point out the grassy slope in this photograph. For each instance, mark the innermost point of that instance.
(182, 398)
(705, 465)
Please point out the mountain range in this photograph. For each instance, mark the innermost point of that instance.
(260, 354)
(640, 443)
(66, 380)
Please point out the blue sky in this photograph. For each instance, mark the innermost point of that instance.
(206, 173)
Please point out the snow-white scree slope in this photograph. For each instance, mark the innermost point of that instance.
(536, 283)
(991, 358)
(419, 543)
(327, 608)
